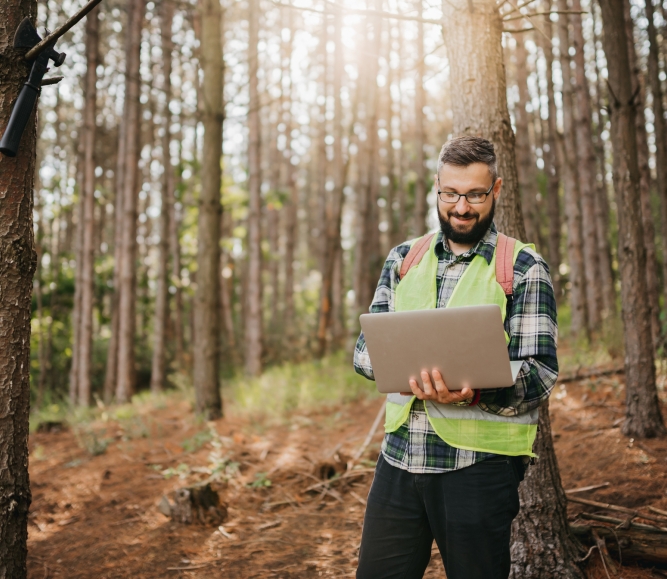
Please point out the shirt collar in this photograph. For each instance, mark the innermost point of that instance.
(484, 247)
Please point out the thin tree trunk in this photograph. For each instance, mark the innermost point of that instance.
(648, 225)
(524, 155)
(159, 362)
(87, 264)
(643, 418)
(420, 181)
(660, 132)
(253, 319)
(602, 206)
(17, 266)
(585, 154)
(334, 204)
(175, 249)
(552, 162)
(575, 240)
(206, 348)
(226, 285)
(128, 271)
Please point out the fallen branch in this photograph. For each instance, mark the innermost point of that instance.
(637, 546)
(589, 488)
(607, 561)
(369, 436)
(590, 372)
(658, 511)
(623, 524)
(617, 508)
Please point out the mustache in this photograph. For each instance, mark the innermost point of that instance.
(466, 215)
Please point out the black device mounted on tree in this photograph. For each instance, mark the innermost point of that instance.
(26, 37)
(39, 54)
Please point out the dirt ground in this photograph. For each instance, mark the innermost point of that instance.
(97, 516)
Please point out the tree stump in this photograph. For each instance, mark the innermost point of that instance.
(198, 504)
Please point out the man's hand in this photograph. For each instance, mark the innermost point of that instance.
(435, 389)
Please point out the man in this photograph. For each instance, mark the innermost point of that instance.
(452, 461)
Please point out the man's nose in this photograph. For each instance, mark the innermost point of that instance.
(462, 205)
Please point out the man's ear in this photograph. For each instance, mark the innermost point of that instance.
(497, 187)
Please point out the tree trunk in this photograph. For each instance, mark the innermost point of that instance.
(524, 155)
(17, 266)
(128, 269)
(552, 161)
(602, 206)
(159, 362)
(206, 343)
(648, 226)
(176, 278)
(334, 204)
(253, 319)
(643, 418)
(87, 264)
(543, 546)
(475, 57)
(575, 241)
(585, 154)
(474, 50)
(420, 170)
(660, 132)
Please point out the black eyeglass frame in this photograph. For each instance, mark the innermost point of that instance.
(486, 194)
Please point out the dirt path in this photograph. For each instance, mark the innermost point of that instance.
(97, 516)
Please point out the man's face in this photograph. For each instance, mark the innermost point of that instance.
(463, 222)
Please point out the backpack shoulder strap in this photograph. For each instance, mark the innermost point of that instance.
(414, 256)
(505, 262)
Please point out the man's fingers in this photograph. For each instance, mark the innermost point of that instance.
(416, 390)
(466, 393)
(428, 389)
(439, 382)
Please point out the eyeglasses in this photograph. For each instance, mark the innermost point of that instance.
(474, 198)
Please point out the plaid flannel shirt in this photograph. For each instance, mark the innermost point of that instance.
(530, 323)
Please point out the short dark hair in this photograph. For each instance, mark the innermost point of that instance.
(464, 151)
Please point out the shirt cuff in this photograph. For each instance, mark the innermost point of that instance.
(475, 398)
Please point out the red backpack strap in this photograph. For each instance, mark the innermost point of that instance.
(505, 262)
(414, 256)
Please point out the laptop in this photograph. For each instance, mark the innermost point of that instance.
(467, 345)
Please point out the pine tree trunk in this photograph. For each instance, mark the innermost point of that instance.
(524, 155)
(475, 57)
(159, 362)
(127, 281)
(420, 169)
(542, 546)
(17, 266)
(660, 131)
(643, 418)
(176, 279)
(587, 175)
(87, 263)
(334, 203)
(473, 40)
(206, 343)
(552, 161)
(575, 241)
(253, 319)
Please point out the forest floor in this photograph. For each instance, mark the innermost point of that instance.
(96, 489)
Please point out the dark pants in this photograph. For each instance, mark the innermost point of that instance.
(468, 512)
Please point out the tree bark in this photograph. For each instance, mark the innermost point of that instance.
(128, 271)
(524, 155)
(159, 362)
(206, 360)
(660, 132)
(17, 266)
(420, 170)
(334, 203)
(643, 418)
(552, 161)
(473, 40)
(648, 226)
(587, 175)
(253, 318)
(575, 241)
(87, 264)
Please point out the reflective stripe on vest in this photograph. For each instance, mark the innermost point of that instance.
(469, 428)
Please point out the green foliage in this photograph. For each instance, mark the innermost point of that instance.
(91, 441)
(283, 389)
(261, 481)
(197, 441)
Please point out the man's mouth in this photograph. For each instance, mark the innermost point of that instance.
(461, 219)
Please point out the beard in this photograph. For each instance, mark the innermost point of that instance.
(466, 236)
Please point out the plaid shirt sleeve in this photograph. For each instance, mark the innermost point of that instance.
(383, 301)
(532, 327)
